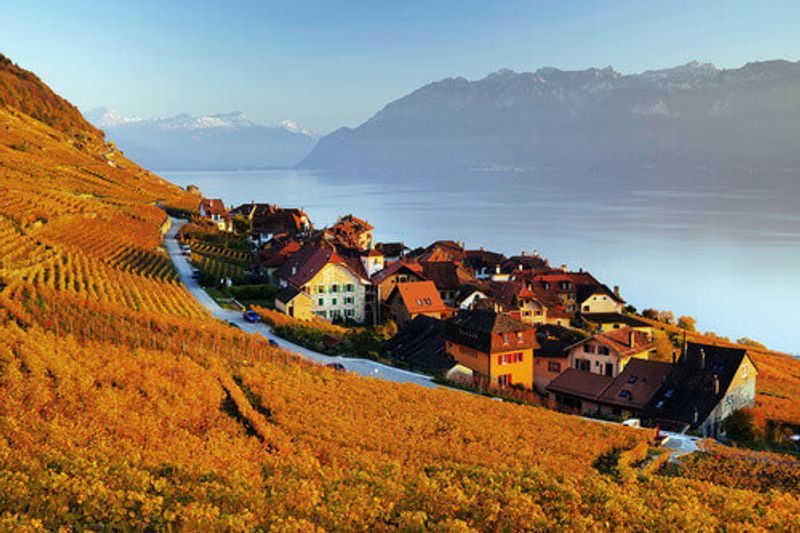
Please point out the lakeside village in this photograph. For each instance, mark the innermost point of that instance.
(511, 326)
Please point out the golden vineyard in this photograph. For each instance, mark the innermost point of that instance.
(125, 406)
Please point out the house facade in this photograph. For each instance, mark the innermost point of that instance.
(213, 209)
(608, 353)
(706, 386)
(496, 348)
(337, 288)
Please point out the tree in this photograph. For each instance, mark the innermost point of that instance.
(666, 317)
(687, 322)
(664, 347)
(750, 342)
(741, 426)
(650, 313)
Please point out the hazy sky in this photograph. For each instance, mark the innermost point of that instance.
(328, 64)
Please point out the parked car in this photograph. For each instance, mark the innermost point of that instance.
(252, 316)
(274, 343)
(186, 249)
(234, 324)
(336, 366)
(196, 273)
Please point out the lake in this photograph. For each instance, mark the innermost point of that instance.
(727, 258)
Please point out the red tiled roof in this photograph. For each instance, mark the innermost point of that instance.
(619, 340)
(213, 206)
(419, 297)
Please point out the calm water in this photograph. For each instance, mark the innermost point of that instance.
(728, 259)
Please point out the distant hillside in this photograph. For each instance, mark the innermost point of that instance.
(23, 91)
(695, 114)
(215, 142)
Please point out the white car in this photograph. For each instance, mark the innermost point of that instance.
(186, 249)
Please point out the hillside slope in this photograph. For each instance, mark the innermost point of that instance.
(125, 406)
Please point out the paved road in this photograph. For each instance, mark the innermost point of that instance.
(364, 367)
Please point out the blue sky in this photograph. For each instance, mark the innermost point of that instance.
(329, 64)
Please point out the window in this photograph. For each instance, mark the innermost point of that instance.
(321, 301)
(419, 302)
(323, 314)
(587, 348)
(334, 287)
(582, 364)
(554, 366)
(320, 289)
(334, 301)
(586, 308)
(506, 338)
(349, 287)
(520, 336)
(602, 350)
(428, 301)
(348, 299)
(349, 312)
(505, 379)
(625, 394)
(660, 404)
(501, 359)
(633, 379)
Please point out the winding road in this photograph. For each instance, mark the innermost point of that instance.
(364, 367)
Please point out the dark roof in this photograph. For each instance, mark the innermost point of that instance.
(690, 385)
(446, 275)
(287, 294)
(213, 206)
(474, 328)
(527, 262)
(440, 251)
(478, 259)
(301, 267)
(392, 249)
(580, 384)
(611, 318)
(394, 268)
(636, 384)
(632, 388)
(619, 340)
(421, 345)
(553, 341)
(584, 291)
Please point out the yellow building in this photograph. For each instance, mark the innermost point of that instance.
(497, 348)
(336, 286)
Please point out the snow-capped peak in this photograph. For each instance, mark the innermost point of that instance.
(108, 117)
(294, 127)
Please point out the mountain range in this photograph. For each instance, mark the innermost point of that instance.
(213, 142)
(695, 114)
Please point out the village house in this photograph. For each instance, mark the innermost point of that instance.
(496, 348)
(706, 386)
(274, 254)
(440, 252)
(337, 285)
(469, 295)
(294, 302)
(550, 357)
(413, 298)
(350, 232)
(574, 291)
(449, 277)
(394, 273)
(484, 264)
(603, 322)
(520, 301)
(624, 396)
(214, 210)
(525, 262)
(267, 220)
(392, 251)
(608, 353)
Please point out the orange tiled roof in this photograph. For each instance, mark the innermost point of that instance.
(420, 297)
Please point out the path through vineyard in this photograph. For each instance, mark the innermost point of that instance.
(364, 367)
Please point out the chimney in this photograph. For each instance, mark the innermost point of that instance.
(520, 266)
(716, 384)
(563, 268)
(522, 253)
(616, 291)
(632, 339)
(497, 269)
(580, 270)
(674, 356)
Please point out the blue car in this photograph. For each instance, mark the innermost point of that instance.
(251, 316)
